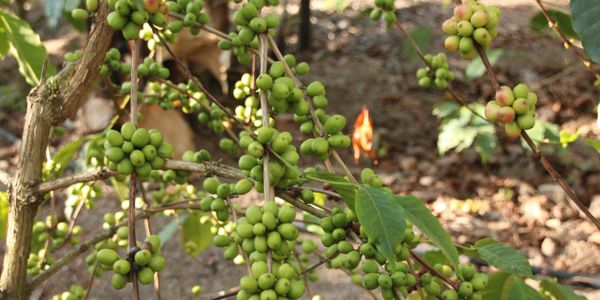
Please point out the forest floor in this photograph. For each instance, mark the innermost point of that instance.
(510, 198)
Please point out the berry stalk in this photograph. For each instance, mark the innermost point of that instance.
(135, 60)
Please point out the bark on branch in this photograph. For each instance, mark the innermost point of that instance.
(47, 105)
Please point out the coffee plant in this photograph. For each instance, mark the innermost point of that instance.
(370, 234)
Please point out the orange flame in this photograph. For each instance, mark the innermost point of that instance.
(362, 136)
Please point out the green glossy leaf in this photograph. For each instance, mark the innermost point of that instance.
(434, 257)
(485, 144)
(521, 290)
(61, 159)
(476, 69)
(340, 184)
(422, 36)
(417, 213)
(26, 47)
(196, 230)
(473, 249)
(499, 286)
(506, 259)
(543, 132)
(594, 143)
(71, 4)
(454, 135)
(4, 45)
(382, 217)
(445, 109)
(587, 25)
(4, 206)
(559, 291)
(563, 20)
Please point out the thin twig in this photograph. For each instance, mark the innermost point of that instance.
(264, 107)
(413, 43)
(131, 241)
(202, 169)
(148, 230)
(317, 264)
(88, 289)
(488, 66)
(567, 42)
(323, 191)
(304, 275)
(559, 179)
(301, 205)
(432, 270)
(67, 181)
(418, 286)
(233, 292)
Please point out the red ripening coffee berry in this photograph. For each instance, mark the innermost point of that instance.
(505, 96)
(506, 114)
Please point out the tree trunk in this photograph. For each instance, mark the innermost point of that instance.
(47, 105)
(24, 199)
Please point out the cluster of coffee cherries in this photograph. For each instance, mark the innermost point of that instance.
(261, 231)
(81, 194)
(73, 56)
(112, 63)
(334, 138)
(180, 176)
(438, 74)
(472, 23)
(368, 176)
(192, 15)
(75, 292)
(249, 112)
(80, 14)
(282, 90)
(228, 145)
(58, 232)
(145, 260)
(186, 96)
(150, 68)
(221, 191)
(280, 283)
(94, 151)
(283, 170)
(515, 108)
(129, 16)
(336, 228)
(385, 8)
(249, 25)
(53, 232)
(213, 116)
(136, 149)
(308, 247)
